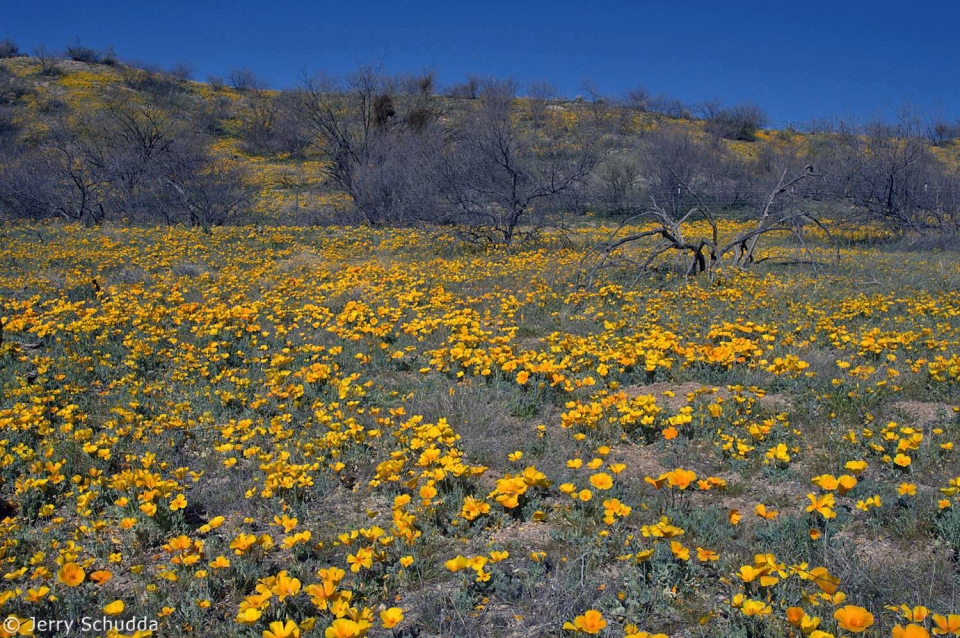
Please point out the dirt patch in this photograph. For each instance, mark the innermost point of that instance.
(530, 534)
(505, 619)
(486, 483)
(923, 413)
(674, 396)
(776, 401)
(885, 551)
(528, 344)
(641, 461)
(302, 260)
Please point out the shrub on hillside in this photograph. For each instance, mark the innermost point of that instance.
(80, 53)
(740, 122)
(8, 49)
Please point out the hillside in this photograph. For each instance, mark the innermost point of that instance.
(257, 141)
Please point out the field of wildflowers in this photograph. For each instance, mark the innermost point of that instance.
(339, 432)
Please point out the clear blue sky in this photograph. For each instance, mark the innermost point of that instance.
(797, 60)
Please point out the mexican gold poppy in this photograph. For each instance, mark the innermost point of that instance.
(824, 580)
(248, 616)
(846, 483)
(681, 478)
(391, 617)
(178, 503)
(278, 629)
(949, 624)
(910, 631)
(591, 622)
(71, 574)
(679, 551)
(706, 555)
(601, 481)
(762, 511)
(907, 489)
(749, 573)
(853, 618)
(795, 615)
(822, 505)
(100, 576)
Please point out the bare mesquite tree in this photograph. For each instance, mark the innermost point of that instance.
(499, 175)
(615, 187)
(739, 122)
(469, 89)
(199, 190)
(259, 113)
(637, 98)
(245, 80)
(380, 143)
(888, 173)
(9, 49)
(539, 96)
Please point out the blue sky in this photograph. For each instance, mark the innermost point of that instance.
(797, 60)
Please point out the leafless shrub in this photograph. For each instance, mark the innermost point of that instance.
(259, 115)
(499, 177)
(667, 106)
(637, 98)
(181, 71)
(79, 52)
(381, 143)
(189, 270)
(888, 173)
(469, 89)
(47, 60)
(8, 49)
(616, 184)
(740, 122)
(540, 94)
(245, 80)
(8, 128)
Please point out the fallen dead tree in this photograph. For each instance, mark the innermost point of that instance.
(704, 253)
